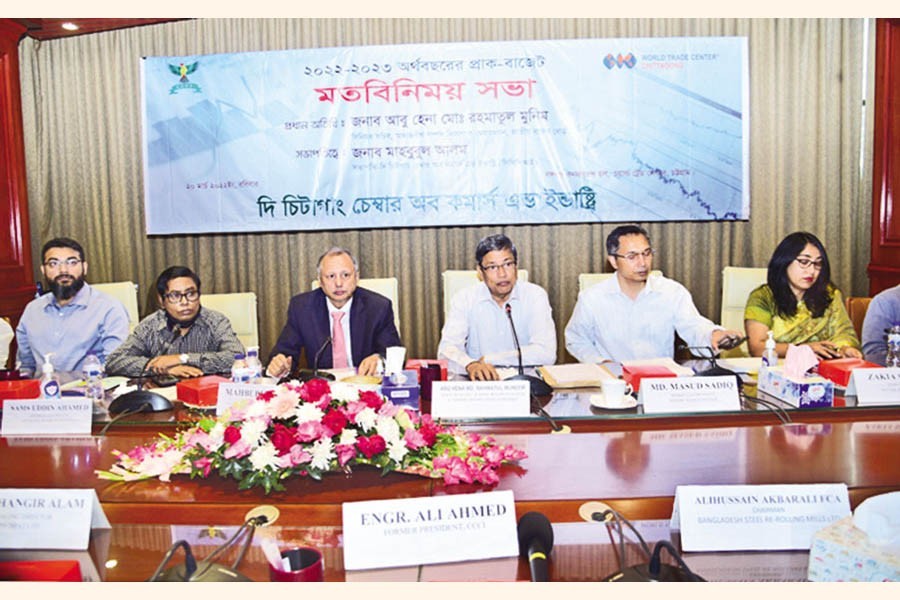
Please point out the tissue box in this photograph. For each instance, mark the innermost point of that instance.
(417, 364)
(839, 370)
(200, 391)
(405, 393)
(841, 552)
(19, 389)
(811, 391)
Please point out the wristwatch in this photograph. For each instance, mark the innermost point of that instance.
(183, 358)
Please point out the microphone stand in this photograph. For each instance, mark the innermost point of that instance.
(141, 399)
(539, 387)
(306, 374)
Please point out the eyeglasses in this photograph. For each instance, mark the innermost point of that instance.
(55, 263)
(176, 297)
(633, 256)
(494, 268)
(805, 262)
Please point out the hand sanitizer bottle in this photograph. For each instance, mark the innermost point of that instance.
(770, 355)
(49, 383)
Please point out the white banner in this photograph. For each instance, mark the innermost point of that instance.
(562, 131)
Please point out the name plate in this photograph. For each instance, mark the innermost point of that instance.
(756, 517)
(480, 399)
(51, 519)
(874, 386)
(439, 529)
(230, 393)
(32, 417)
(689, 394)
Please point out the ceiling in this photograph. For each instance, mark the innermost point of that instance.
(49, 29)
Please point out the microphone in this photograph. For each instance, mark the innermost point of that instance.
(535, 543)
(140, 399)
(539, 387)
(306, 374)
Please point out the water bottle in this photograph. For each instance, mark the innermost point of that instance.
(92, 373)
(239, 371)
(893, 347)
(254, 367)
(49, 383)
(770, 355)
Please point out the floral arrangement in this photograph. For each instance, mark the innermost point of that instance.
(312, 428)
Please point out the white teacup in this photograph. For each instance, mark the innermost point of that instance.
(614, 391)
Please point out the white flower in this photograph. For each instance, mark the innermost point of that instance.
(252, 431)
(366, 418)
(388, 428)
(264, 456)
(282, 404)
(322, 454)
(397, 450)
(217, 434)
(344, 392)
(348, 437)
(309, 412)
(257, 408)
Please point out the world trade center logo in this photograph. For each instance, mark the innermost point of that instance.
(620, 61)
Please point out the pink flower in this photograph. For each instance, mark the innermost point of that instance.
(456, 470)
(298, 455)
(413, 439)
(239, 449)
(371, 445)
(354, 408)
(266, 395)
(309, 431)
(204, 464)
(345, 453)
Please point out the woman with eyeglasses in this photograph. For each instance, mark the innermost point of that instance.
(799, 304)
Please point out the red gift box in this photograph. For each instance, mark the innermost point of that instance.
(40, 570)
(19, 389)
(839, 370)
(633, 374)
(200, 391)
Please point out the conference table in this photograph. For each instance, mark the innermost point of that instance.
(631, 461)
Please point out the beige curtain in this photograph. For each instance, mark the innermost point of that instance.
(808, 80)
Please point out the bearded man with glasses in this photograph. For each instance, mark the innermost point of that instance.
(478, 337)
(635, 315)
(180, 340)
(73, 319)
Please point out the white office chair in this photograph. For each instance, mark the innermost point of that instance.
(586, 280)
(240, 308)
(737, 283)
(126, 292)
(454, 281)
(386, 286)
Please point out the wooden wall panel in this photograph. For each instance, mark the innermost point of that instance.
(884, 268)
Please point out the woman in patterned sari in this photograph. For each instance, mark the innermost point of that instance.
(800, 304)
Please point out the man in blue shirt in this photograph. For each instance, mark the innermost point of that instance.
(73, 319)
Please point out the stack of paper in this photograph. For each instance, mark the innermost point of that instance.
(574, 375)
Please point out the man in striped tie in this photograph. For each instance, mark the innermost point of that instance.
(345, 326)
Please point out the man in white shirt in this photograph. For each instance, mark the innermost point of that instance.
(634, 315)
(478, 336)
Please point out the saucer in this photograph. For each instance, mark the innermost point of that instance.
(599, 401)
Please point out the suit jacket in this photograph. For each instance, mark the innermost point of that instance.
(372, 327)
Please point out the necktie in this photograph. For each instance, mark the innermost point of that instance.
(337, 341)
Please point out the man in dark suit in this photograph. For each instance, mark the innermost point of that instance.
(359, 321)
